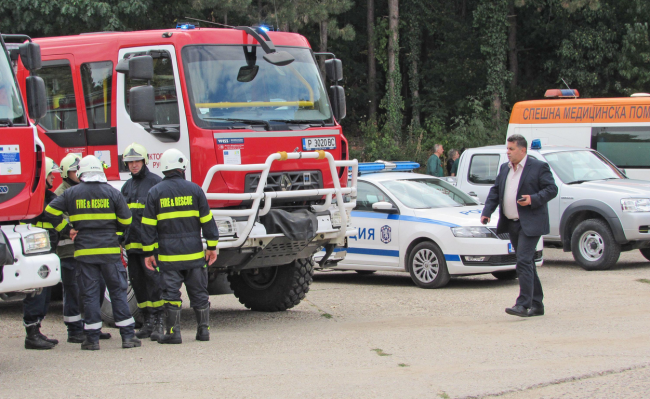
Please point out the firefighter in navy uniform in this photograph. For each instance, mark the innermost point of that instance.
(35, 306)
(146, 283)
(176, 212)
(98, 212)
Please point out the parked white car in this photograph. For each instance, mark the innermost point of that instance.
(423, 225)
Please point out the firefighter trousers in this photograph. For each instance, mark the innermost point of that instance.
(196, 284)
(115, 277)
(71, 309)
(146, 285)
(35, 307)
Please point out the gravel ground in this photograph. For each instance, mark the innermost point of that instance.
(373, 336)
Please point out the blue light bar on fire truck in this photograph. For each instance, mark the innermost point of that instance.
(562, 93)
(383, 166)
(185, 26)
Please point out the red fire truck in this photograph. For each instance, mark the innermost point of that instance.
(25, 264)
(249, 107)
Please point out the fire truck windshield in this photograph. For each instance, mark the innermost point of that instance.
(11, 108)
(230, 84)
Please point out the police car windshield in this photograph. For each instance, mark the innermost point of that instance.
(11, 107)
(229, 83)
(574, 167)
(427, 193)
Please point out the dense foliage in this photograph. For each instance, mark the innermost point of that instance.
(444, 71)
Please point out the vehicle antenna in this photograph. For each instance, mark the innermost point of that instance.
(567, 86)
(209, 22)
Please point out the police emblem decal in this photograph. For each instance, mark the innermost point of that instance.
(385, 234)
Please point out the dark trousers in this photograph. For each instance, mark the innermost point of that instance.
(115, 277)
(196, 284)
(530, 288)
(147, 285)
(35, 307)
(71, 309)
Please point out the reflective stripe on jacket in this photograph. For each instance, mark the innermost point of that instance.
(65, 249)
(135, 192)
(98, 212)
(174, 216)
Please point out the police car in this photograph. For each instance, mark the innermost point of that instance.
(425, 226)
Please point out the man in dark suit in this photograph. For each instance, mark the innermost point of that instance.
(521, 191)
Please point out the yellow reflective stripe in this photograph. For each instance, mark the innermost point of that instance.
(177, 214)
(151, 222)
(93, 216)
(149, 248)
(124, 221)
(175, 303)
(119, 233)
(53, 211)
(97, 251)
(137, 245)
(61, 225)
(149, 304)
(45, 225)
(136, 205)
(212, 243)
(206, 218)
(177, 258)
(157, 304)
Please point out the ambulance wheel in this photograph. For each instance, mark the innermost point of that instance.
(365, 272)
(506, 275)
(427, 266)
(273, 289)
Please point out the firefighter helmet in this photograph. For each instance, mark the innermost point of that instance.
(51, 166)
(70, 163)
(135, 152)
(173, 159)
(90, 163)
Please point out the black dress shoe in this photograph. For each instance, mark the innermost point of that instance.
(536, 311)
(518, 310)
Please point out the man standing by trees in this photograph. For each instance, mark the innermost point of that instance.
(434, 165)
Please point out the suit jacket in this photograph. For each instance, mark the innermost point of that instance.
(536, 181)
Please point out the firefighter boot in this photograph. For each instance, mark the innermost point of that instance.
(53, 341)
(90, 346)
(33, 338)
(173, 324)
(203, 323)
(132, 342)
(147, 325)
(158, 326)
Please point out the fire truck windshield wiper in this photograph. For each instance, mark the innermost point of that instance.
(6, 122)
(246, 121)
(300, 121)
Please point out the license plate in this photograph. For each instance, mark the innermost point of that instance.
(511, 249)
(319, 143)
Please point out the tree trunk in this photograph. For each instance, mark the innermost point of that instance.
(414, 41)
(323, 46)
(393, 43)
(512, 46)
(259, 11)
(225, 17)
(372, 62)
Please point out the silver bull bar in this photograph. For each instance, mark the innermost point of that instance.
(259, 193)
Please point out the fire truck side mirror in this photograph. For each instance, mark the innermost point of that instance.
(30, 55)
(337, 98)
(142, 105)
(334, 70)
(140, 67)
(36, 97)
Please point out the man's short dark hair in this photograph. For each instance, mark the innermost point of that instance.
(519, 140)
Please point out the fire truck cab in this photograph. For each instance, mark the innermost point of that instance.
(251, 111)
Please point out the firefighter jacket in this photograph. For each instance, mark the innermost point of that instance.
(65, 249)
(135, 192)
(98, 212)
(174, 216)
(40, 221)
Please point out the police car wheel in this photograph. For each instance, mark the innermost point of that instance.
(593, 245)
(646, 253)
(273, 289)
(365, 272)
(427, 266)
(506, 275)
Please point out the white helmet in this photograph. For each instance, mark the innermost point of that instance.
(90, 163)
(173, 159)
(70, 163)
(135, 152)
(51, 166)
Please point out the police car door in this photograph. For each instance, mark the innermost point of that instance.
(376, 242)
(170, 128)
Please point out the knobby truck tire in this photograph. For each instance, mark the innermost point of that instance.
(288, 286)
(601, 241)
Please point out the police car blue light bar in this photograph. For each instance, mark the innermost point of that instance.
(383, 166)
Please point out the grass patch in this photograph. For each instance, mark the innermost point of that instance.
(380, 352)
(403, 365)
(326, 315)
(443, 395)
(643, 280)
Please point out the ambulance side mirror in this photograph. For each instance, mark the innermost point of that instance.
(384, 207)
(36, 97)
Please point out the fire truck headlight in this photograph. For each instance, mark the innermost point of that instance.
(36, 242)
(226, 226)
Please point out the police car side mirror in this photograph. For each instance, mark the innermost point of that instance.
(384, 207)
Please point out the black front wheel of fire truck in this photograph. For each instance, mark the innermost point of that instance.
(273, 289)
